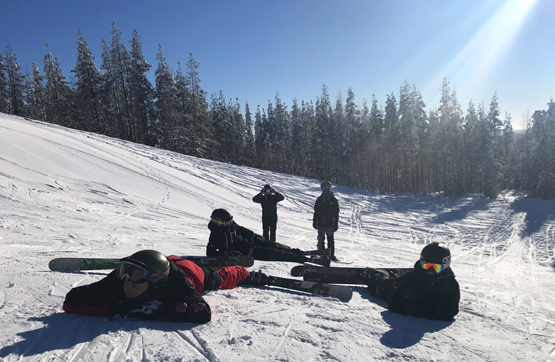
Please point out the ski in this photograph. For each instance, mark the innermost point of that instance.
(341, 275)
(338, 291)
(79, 264)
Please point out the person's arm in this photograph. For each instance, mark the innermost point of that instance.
(216, 244)
(97, 299)
(316, 216)
(448, 305)
(258, 198)
(278, 197)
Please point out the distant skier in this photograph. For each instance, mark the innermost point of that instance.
(149, 285)
(227, 238)
(268, 198)
(326, 218)
(429, 291)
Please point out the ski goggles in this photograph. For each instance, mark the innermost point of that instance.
(136, 274)
(438, 268)
(222, 223)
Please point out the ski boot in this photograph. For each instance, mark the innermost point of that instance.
(320, 260)
(255, 278)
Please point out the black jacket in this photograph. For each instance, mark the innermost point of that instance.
(326, 210)
(420, 294)
(269, 204)
(237, 240)
(180, 301)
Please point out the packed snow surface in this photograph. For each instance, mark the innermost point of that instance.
(66, 193)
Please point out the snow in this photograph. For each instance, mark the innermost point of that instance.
(67, 193)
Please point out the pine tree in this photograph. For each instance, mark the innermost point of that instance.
(282, 139)
(168, 131)
(261, 139)
(249, 142)
(141, 93)
(15, 82)
(116, 62)
(543, 131)
(89, 112)
(37, 108)
(58, 94)
(4, 95)
(203, 127)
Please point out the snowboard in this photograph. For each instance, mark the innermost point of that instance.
(341, 275)
(78, 264)
(341, 292)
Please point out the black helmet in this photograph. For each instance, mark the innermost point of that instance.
(143, 266)
(436, 253)
(221, 217)
(326, 185)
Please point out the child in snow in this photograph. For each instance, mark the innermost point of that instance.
(227, 238)
(268, 198)
(429, 291)
(149, 285)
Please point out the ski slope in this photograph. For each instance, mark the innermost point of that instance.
(66, 193)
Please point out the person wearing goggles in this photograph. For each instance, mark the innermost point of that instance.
(268, 198)
(227, 238)
(430, 290)
(148, 285)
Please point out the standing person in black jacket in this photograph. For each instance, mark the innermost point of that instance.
(326, 218)
(269, 198)
(429, 291)
(227, 238)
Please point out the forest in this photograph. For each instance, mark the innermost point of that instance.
(397, 148)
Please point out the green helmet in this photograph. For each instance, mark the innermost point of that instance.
(143, 266)
(326, 185)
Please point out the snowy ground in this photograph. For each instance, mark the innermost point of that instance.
(68, 193)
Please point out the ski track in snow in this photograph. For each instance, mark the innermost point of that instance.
(69, 193)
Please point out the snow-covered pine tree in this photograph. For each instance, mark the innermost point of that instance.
(168, 130)
(141, 93)
(4, 95)
(249, 141)
(116, 62)
(58, 94)
(203, 128)
(282, 137)
(37, 108)
(15, 82)
(88, 106)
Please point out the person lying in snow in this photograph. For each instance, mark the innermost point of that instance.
(148, 285)
(227, 238)
(429, 291)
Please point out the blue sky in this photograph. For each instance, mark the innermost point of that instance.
(251, 50)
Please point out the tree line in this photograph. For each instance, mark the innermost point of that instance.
(398, 148)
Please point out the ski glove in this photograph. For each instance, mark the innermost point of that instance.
(335, 227)
(315, 225)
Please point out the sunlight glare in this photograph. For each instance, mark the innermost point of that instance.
(480, 54)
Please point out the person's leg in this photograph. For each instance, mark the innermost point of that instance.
(331, 243)
(265, 229)
(321, 237)
(231, 276)
(273, 226)
(275, 254)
